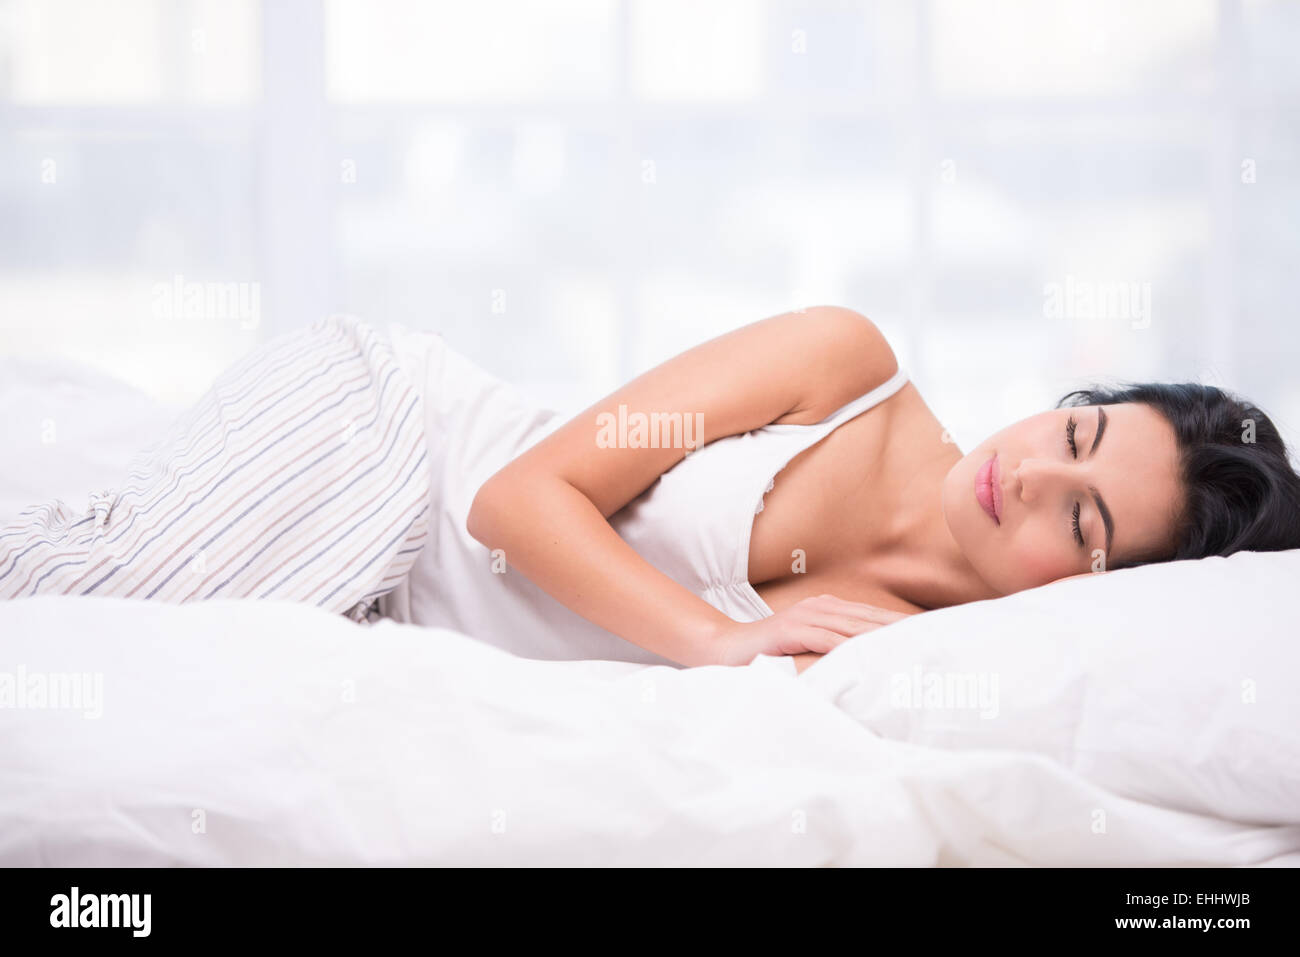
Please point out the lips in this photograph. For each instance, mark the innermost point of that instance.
(987, 489)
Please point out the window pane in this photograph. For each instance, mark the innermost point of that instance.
(102, 232)
(409, 50)
(1028, 48)
(129, 51)
(1270, 32)
(842, 53)
(683, 49)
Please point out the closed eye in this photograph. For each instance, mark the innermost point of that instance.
(1070, 426)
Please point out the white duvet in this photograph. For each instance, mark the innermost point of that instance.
(1150, 716)
(270, 733)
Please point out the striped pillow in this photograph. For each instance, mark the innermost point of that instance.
(302, 475)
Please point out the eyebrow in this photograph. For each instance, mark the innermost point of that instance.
(1101, 428)
(1106, 518)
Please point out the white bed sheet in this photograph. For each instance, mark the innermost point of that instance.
(296, 737)
(68, 430)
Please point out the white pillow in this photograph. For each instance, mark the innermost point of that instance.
(69, 430)
(1174, 684)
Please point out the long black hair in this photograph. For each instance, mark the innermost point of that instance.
(1239, 489)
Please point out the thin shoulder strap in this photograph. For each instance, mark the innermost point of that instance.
(868, 399)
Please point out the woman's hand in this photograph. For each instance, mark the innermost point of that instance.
(812, 625)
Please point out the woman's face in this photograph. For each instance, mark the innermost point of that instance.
(1119, 477)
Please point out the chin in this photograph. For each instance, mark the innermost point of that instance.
(956, 511)
(959, 482)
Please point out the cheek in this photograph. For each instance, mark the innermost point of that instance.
(1009, 562)
(1033, 559)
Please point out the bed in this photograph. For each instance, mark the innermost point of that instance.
(1144, 717)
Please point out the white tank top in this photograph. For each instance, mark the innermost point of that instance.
(693, 524)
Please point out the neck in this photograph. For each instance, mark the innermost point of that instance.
(915, 556)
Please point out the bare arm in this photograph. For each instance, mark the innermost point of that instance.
(549, 508)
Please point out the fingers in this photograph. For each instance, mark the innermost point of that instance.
(823, 623)
(844, 617)
(828, 631)
(847, 625)
(820, 640)
(859, 609)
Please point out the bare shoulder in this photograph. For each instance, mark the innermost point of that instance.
(796, 367)
(847, 354)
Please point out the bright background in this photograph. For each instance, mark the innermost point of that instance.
(573, 191)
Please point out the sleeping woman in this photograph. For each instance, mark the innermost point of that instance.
(773, 491)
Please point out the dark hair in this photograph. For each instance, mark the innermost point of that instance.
(1239, 490)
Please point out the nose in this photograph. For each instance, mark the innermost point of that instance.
(1035, 477)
